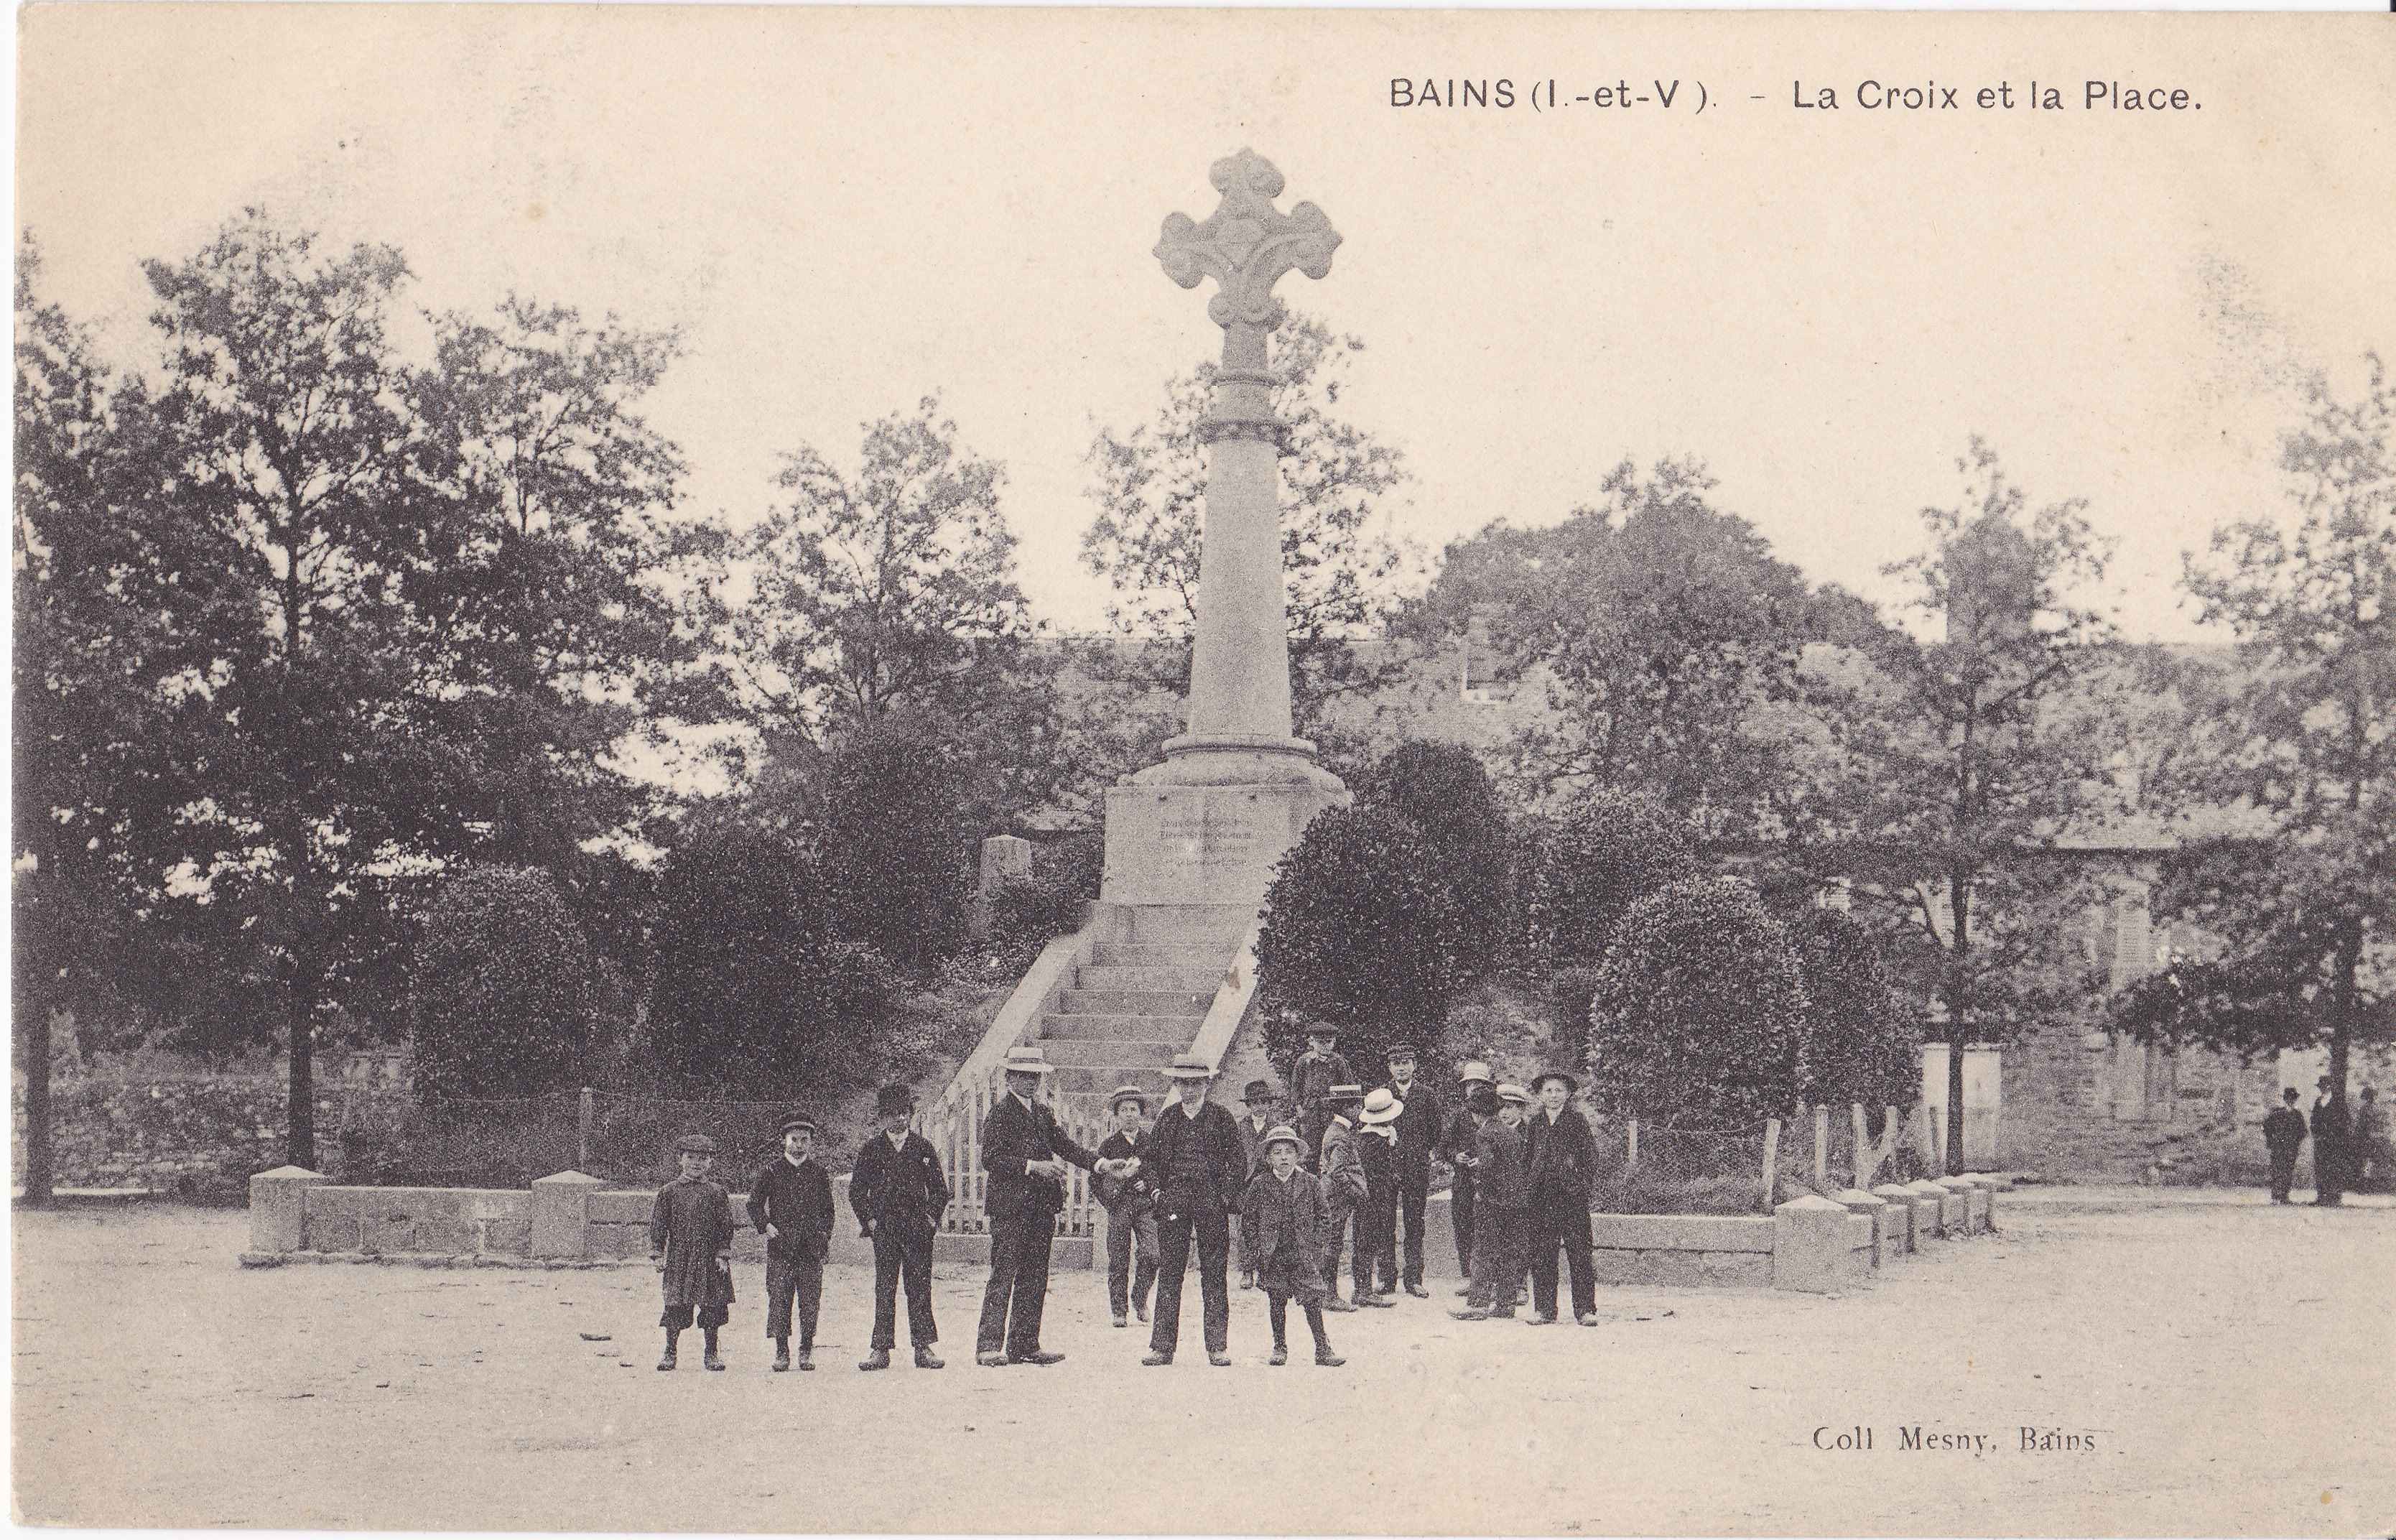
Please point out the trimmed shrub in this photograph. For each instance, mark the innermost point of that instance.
(1362, 930)
(1445, 792)
(893, 848)
(1699, 1010)
(1592, 864)
(500, 996)
(1861, 1042)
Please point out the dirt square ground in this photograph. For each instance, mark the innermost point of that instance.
(2222, 1367)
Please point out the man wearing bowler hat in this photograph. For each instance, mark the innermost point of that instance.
(1418, 1127)
(1563, 1182)
(1195, 1156)
(1257, 1107)
(899, 1193)
(1025, 1154)
(789, 1201)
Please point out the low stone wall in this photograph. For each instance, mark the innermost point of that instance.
(1812, 1245)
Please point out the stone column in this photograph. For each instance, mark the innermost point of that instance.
(1809, 1246)
(1875, 1209)
(561, 1214)
(1901, 1211)
(278, 1209)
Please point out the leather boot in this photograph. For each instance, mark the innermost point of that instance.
(878, 1358)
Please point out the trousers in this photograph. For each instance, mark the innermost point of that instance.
(1562, 1224)
(1496, 1259)
(1177, 1227)
(897, 1256)
(788, 1277)
(1131, 1233)
(1459, 1214)
(1017, 1294)
(2284, 1173)
(1376, 1241)
(1414, 1192)
(1277, 1311)
(1335, 1244)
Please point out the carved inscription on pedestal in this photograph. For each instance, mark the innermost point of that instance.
(1207, 836)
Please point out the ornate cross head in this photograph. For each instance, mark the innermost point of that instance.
(1246, 244)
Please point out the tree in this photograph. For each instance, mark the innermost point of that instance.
(1342, 575)
(502, 988)
(1698, 1018)
(1362, 929)
(1443, 792)
(750, 984)
(1861, 1042)
(893, 842)
(1668, 639)
(2301, 738)
(1590, 864)
(1978, 742)
(889, 599)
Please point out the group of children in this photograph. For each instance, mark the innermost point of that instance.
(897, 1191)
(1335, 1159)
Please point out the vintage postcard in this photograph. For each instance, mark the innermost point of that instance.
(1007, 770)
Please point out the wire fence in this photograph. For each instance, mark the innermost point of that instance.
(493, 1142)
(1647, 1168)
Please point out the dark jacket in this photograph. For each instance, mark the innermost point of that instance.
(1010, 1136)
(2283, 1128)
(1311, 1078)
(690, 1229)
(1562, 1159)
(1252, 1143)
(2330, 1124)
(1344, 1185)
(1215, 1137)
(1500, 1175)
(1378, 1156)
(1420, 1126)
(797, 1202)
(902, 1191)
(1282, 1227)
(1124, 1195)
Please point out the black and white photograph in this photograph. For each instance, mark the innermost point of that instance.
(997, 771)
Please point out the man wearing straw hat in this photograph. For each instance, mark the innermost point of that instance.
(1026, 1154)
(1200, 1175)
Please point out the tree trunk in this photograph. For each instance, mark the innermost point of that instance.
(299, 1007)
(35, 1057)
(1960, 908)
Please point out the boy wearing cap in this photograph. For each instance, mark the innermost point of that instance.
(790, 1203)
(1419, 1126)
(690, 1243)
(1130, 1197)
(1563, 1183)
(1281, 1218)
(1255, 1121)
(899, 1193)
(1499, 1199)
(1345, 1188)
(1195, 1155)
(1310, 1080)
(1376, 1218)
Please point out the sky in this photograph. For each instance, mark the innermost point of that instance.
(846, 211)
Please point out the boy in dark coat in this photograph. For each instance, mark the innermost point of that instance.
(789, 1201)
(1311, 1081)
(2284, 1134)
(1344, 1190)
(899, 1193)
(1377, 1219)
(1130, 1202)
(1280, 1234)
(1456, 1142)
(1562, 1182)
(1420, 1127)
(1500, 1200)
(691, 1242)
(1258, 1112)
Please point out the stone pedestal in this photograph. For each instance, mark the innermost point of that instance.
(1205, 844)
(1929, 1209)
(278, 1208)
(1901, 1206)
(561, 1214)
(1809, 1246)
(1856, 1201)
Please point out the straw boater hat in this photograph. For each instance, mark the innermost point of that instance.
(893, 1099)
(1258, 1091)
(1340, 1095)
(693, 1143)
(1127, 1094)
(1473, 1069)
(1283, 1134)
(797, 1122)
(1027, 1059)
(1513, 1092)
(1188, 1067)
(1572, 1086)
(1381, 1107)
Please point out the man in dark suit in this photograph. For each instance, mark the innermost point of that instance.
(2284, 1134)
(1563, 1180)
(1025, 1153)
(2330, 1129)
(789, 1201)
(1193, 1156)
(1420, 1127)
(899, 1193)
(1455, 1144)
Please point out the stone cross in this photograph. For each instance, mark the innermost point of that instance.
(1239, 707)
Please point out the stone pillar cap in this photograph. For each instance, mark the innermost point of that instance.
(289, 1174)
(569, 1178)
(1811, 1204)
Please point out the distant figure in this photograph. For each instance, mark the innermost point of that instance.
(1500, 1179)
(2374, 1156)
(1563, 1182)
(2332, 1134)
(1026, 1156)
(2284, 1134)
(1345, 1188)
(1195, 1156)
(1377, 1221)
(1259, 1110)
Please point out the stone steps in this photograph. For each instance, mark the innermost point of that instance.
(1096, 1080)
(1123, 1053)
(1188, 925)
(1181, 1029)
(1112, 954)
(1148, 979)
(1156, 1002)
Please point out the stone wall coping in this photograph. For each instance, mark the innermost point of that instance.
(1857, 1198)
(569, 1179)
(1696, 1232)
